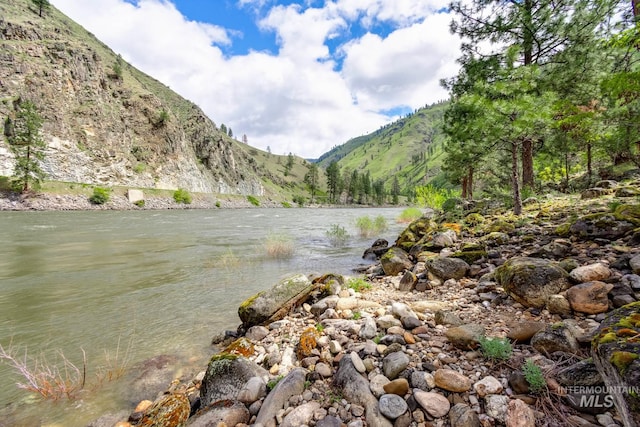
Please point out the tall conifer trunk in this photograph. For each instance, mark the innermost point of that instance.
(527, 45)
(517, 198)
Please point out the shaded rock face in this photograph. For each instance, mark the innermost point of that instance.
(616, 354)
(265, 305)
(531, 281)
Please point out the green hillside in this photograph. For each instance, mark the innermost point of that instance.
(410, 149)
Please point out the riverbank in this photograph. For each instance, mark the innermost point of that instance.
(423, 341)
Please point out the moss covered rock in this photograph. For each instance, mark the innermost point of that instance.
(170, 411)
(603, 225)
(273, 304)
(531, 281)
(226, 375)
(395, 261)
(616, 353)
(414, 232)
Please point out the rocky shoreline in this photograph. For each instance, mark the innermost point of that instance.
(412, 344)
(71, 202)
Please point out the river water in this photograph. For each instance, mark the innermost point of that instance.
(124, 286)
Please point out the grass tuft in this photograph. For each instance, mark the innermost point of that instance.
(279, 246)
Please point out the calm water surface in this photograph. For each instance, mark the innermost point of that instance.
(146, 282)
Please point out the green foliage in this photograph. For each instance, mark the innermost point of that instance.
(116, 69)
(42, 5)
(496, 348)
(25, 139)
(337, 235)
(534, 376)
(253, 200)
(299, 200)
(358, 284)
(182, 196)
(100, 195)
(139, 167)
(286, 205)
(163, 118)
(409, 215)
(319, 327)
(311, 179)
(368, 227)
(356, 315)
(272, 383)
(139, 203)
(218, 203)
(433, 197)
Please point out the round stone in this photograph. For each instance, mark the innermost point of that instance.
(392, 406)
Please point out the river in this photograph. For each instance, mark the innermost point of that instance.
(124, 286)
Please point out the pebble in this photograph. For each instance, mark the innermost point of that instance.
(392, 406)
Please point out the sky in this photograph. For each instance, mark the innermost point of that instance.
(295, 77)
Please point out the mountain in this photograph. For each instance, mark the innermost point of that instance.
(410, 149)
(107, 123)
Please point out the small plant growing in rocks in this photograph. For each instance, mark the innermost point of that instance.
(337, 235)
(358, 284)
(534, 376)
(253, 200)
(100, 196)
(182, 196)
(271, 384)
(496, 348)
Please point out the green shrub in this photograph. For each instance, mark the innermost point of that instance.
(217, 203)
(534, 376)
(253, 200)
(433, 197)
(409, 215)
(100, 195)
(271, 384)
(286, 205)
(299, 200)
(496, 348)
(182, 196)
(337, 235)
(358, 284)
(368, 227)
(139, 203)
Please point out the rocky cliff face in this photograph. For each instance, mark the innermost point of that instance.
(104, 121)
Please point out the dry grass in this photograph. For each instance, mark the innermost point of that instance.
(279, 246)
(60, 378)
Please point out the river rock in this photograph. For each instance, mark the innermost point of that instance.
(225, 376)
(355, 388)
(590, 297)
(496, 406)
(522, 331)
(590, 273)
(448, 268)
(377, 385)
(616, 354)
(434, 404)
(582, 373)
(558, 304)
(154, 375)
(257, 333)
(291, 385)
(377, 249)
(395, 261)
(530, 281)
(461, 415)
(465, 337)
(556, 337)
(274, 303)
(488, 385)
(392, 406)
(519, 414)
(450, 380)
(369, 329)
(300, 415)
(399, 386)
(394, 363)
(634, 263)
(387, 321)
(224, 412)
(253, 390)
(445, 317)
(171, 410)
(408, 281)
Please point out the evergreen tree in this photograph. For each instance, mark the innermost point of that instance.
(311, 179)
(223, 128)
(42, 5)
(27, 144)
(395, 191)
(333, 181)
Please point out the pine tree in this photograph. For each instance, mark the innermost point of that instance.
(27, 144)
(42, 6)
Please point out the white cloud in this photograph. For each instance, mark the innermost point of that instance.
(297, 100)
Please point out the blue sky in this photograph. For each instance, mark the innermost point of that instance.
(294, 76)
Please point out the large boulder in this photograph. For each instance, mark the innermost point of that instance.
(273, 304)
(448, 268)
(609, 226)
(226, 376)
(414, 232)
(616, 354)
(289, 386)
(395, 261)
(531, 281)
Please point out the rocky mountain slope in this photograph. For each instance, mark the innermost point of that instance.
(106, 122)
